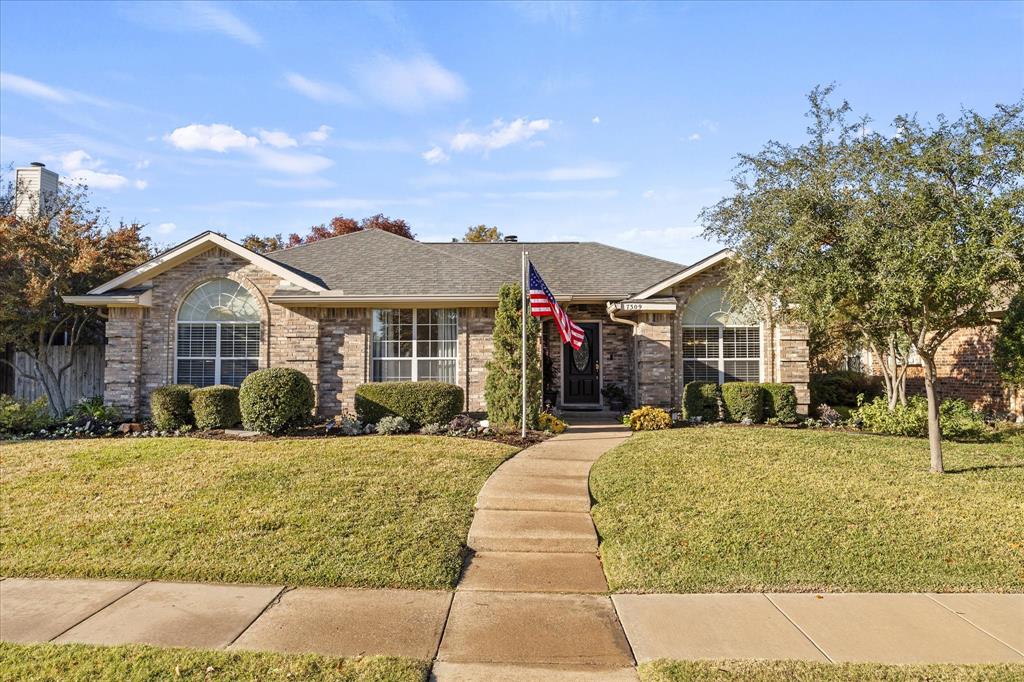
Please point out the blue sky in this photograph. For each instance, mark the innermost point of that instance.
(608, 122)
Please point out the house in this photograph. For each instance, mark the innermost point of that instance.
(373, 306)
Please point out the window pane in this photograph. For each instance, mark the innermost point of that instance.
(392, 370)
(196, 372)
(233, 371)
(700, 342)
(742, 370)
(700, 370)
(741, 342)
(436, 370)
(197, 340)
(240, 341)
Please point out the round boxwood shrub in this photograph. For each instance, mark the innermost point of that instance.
(171, 407)
(701, 399)
(743, 400)
(275, 400)
(418, 402)
(216, 407)
(648, 418)
(780, 402)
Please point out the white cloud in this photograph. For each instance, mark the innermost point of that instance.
(594, 171)
(434, 155)
(595, 120)
(166, 228)
(693, 137)
(649, 194)
(277, 138)
(82, 169)
(206, 16)
(709, 125)
(31, 88)
(141, 184)
(315, 136)
(318, 90)
(297, 164)
(141, 164)
(499, 135)
(217, 137)
(409, 84)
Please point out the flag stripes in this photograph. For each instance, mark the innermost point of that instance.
(543, 304)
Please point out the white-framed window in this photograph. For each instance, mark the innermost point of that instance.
(218, 335)
(719, 344)
(415, 344)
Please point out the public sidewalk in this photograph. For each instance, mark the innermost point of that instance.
(532, 603)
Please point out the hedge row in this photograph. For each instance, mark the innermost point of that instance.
(418, 402)
(739, 400)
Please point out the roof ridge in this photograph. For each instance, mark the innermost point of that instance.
(681, 266)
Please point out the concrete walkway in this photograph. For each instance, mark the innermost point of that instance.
(532, 603)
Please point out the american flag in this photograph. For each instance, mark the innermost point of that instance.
(543, 304)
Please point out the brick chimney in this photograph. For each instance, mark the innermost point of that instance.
(35, 189)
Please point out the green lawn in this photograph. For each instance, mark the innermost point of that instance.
(70, 662)
(355, 512)
(797, 671)
(757, 509)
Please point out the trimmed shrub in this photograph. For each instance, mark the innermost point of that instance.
(275, 400)
(171, 407)
(216, 407)
(780, 402)
(549, 422)
(649, 418)
(843, 387)
(743, 400)
(390, 426)
(701, 399)
(18, 416)
(418, 402)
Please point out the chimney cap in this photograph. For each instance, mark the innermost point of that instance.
(38, 164)
(511, 238)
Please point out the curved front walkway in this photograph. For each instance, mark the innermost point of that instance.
(532, 602)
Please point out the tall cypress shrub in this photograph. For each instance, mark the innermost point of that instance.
(504, 376)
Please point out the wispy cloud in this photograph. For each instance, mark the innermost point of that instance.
(409, 84)
(296, 164)
(11, 82)
(581, 172)
(81, 168)
(435, 155)
(497, 136)
(595, 120)
(207, 16)
(317, 136)
(567, 14)
(166, 228)
(277, 138)
(319, 91)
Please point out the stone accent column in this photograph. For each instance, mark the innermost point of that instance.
(343, 351)
(122, 372)
(654, 360)
(479, 331)
(793, 362)
(295, 341)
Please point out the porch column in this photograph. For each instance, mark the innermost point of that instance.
(122, 371)
(793, 363)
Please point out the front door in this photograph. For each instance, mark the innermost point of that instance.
(581, 378)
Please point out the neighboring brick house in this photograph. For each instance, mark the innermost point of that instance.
(372, 306)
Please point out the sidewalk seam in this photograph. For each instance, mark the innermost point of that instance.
(105, 606)
(275, 600)
(973, 624)
(800, 629)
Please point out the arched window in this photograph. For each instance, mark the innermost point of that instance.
(720, 343)
(218, 335)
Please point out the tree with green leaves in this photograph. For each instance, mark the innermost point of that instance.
(502, 389)
(482, 234)
(64, 248)
(908, 237)
(1008, 349)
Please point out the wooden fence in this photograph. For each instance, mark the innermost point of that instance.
(84, 379)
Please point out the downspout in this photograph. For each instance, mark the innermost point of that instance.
(610, 307)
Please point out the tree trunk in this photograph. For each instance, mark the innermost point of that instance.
(934, 428)
(51, 384)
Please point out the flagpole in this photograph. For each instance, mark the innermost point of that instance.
(523, 285)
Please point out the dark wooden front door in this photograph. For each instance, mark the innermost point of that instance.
(582, 369)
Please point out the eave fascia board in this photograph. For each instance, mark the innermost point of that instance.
(143, 300)
(197, 244)
(695, 269)
(340, 300)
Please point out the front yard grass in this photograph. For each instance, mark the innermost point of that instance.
(353, 512)
(77, 662)
(799, 671)
(757, 509)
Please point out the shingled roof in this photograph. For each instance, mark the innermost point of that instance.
(378, 263)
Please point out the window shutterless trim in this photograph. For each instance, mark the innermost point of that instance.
(414, 359)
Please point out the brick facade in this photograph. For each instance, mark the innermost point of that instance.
(332, 346)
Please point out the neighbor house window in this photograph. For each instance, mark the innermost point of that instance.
(415, 344)
(218, 335)
(719, 344)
